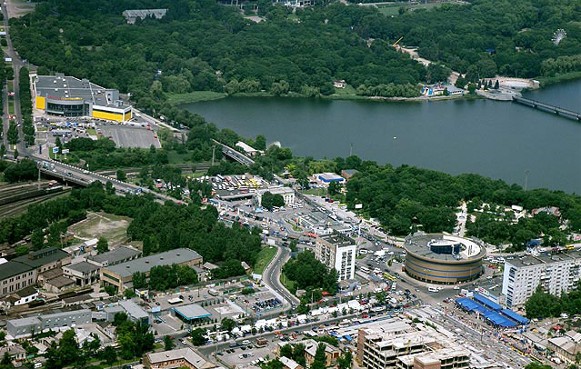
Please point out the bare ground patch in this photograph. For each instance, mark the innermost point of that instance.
(18, 8)
(112, 227)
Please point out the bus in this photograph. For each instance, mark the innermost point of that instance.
(364, 269)
(433, 289)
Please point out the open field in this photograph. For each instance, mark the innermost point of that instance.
(112, 227)
(264, 257)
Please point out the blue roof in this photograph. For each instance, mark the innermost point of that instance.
(348, 337)
(514, 316)
(486, 302)
(497, 319)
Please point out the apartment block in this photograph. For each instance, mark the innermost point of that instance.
(556, 273)
(338, 252)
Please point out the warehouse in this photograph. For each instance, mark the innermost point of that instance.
(120, 274)
(189, 313)
(68, 96)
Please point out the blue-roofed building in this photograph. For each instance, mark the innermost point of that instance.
(486, 302)
(514, 316)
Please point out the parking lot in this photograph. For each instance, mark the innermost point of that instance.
(128, 136)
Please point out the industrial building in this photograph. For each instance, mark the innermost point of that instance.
(83, 273)
(68, 96)
(119, 255)
(443, 259)
(338, 252)
(120, 274)
(23, 271)
(23, 327)
(556, 273)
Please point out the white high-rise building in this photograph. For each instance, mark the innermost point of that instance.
(337, 251)
(555, 274)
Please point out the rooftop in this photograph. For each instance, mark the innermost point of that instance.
(13, 268)
(143, 265)
(530, 260)
(28, 291)
(289, 363)
(60, 281)
(133, 309)
(338, 239)
(42, 257)
(192, 311)
(115, 256)
(83, 267)
(186, 354)
(61, 87)
(423, 245)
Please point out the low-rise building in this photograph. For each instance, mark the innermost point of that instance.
(566, 347)
(26, 295)
(15, 352)
(446, 358)
(287, 193)
(338, 252)
(83, 273)
(179, 358)
(134, 312)
(119, 255)
(23, 327)
(23, 271)
(121, 274)
(132, 15)
(289, 363)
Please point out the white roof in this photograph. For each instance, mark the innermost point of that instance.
(289, 363)
(186, 354)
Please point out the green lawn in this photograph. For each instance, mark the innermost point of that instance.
(287, 283)
(11, 107)
(175, 158)
(196, 96)
(264, 257)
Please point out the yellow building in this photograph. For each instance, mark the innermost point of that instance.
(68, 96)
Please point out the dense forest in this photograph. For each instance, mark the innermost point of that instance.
(201, 45)
(543, 305)
(407, 198)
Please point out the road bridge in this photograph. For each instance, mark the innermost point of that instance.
(82, 177)
(235, 155)
(547, 107)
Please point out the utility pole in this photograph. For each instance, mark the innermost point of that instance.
(213, 154)
(39, 176)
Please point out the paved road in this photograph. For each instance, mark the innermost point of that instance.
(271, 276)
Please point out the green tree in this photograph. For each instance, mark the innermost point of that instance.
(102, 245)
(109, 354)
(228, 324)
(345, 361)
(198, 338)
(139, 280)
(121, 175)
(168, 343)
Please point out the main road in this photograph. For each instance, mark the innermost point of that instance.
(271, 276)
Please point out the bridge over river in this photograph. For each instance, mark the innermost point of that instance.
(566, 113)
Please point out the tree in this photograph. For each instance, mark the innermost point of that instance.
(2, 150)
(139, 280)
(198, 338)
(109, 354)
(345, 361)
(496, 85)
(320, 359)
(121, 175)
(228, 324)
(102, 245)
(168, 343)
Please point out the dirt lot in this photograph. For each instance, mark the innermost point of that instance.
(18, 8)
(112, 227)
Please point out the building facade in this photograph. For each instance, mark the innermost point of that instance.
(83, 273)
(555, 274)
(179, 358)
(337, 252)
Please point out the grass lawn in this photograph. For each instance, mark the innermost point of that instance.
(315, 191)
(289, 285)
(11, 107)
(196, 96)
(176, 158)
(264, 257)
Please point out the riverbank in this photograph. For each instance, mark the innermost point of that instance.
(549, 81)
(202, 96)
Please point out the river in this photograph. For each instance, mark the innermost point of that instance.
(496, 139)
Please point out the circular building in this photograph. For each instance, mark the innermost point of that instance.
(443, 259)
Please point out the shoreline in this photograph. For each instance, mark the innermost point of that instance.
(202, 96)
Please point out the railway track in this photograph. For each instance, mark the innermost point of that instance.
(20, 206)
